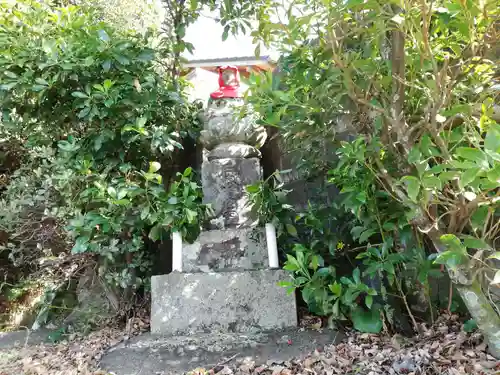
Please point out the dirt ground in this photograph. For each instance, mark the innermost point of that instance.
(443, 349)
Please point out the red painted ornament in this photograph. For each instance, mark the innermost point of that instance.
(229, 83)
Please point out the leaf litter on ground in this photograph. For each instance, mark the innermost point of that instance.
(75, 354)
(443, 349)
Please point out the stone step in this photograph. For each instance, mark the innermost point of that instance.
(237, 301)
(150, 354)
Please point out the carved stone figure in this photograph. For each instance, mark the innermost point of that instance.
(231, 129)
(232, 138)
(229, 83)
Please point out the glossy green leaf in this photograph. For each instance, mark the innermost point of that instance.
(473, 154)
(470, 325)
(414, 155)
(412, 187)
(7, 86)
(191, 215)
(10, 74)
(314, 262)
(106, 65)
(492, 139)
(366, 321)
(291, 230)
(81, 245)
(38, 88)
(79, 94)
(323, 272)
(356, 231)
(369, 301)
(225, 33)
(452, 259)
(154, 166)
(494, 174)
(103, 35)
(475, 243)
(155, 232)
(389, 226)
(366, 235)
(451, 241)
(478, 217)
(112, 191)
(84, 112)
(121, 59)
(468, 176)
(141, 121)
(432, 182)
(285, 284)
(144, 213)
(336, 289)
(122, 193)
(447, 176)
(253, 188)
(41, 81)
(356, 275)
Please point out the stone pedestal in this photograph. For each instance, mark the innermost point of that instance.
(246, 301)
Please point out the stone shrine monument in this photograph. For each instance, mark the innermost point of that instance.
(225, 284)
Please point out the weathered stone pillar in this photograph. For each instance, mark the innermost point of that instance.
(226, 285)
(231, 161)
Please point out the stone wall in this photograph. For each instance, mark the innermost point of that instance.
(304, 189)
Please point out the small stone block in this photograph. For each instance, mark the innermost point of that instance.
(224, 184)
(226, 250)
(248, 301)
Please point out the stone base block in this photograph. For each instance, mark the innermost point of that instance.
(248, 301)
(226, 250)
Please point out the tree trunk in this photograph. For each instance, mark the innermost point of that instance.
(483, 313)
(480, 309)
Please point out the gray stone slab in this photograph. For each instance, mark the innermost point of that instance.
(226, 250)
(156, 355)
(15, 339)
(224, 184)
(246, 301)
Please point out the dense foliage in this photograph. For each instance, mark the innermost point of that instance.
(414, 82)
(95, 126)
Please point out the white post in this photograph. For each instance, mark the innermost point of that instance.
(176, 252)
(272, 246)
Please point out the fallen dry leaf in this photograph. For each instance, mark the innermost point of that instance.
(437, 351)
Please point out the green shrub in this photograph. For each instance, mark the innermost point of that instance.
(96, 119)
(415, 83)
